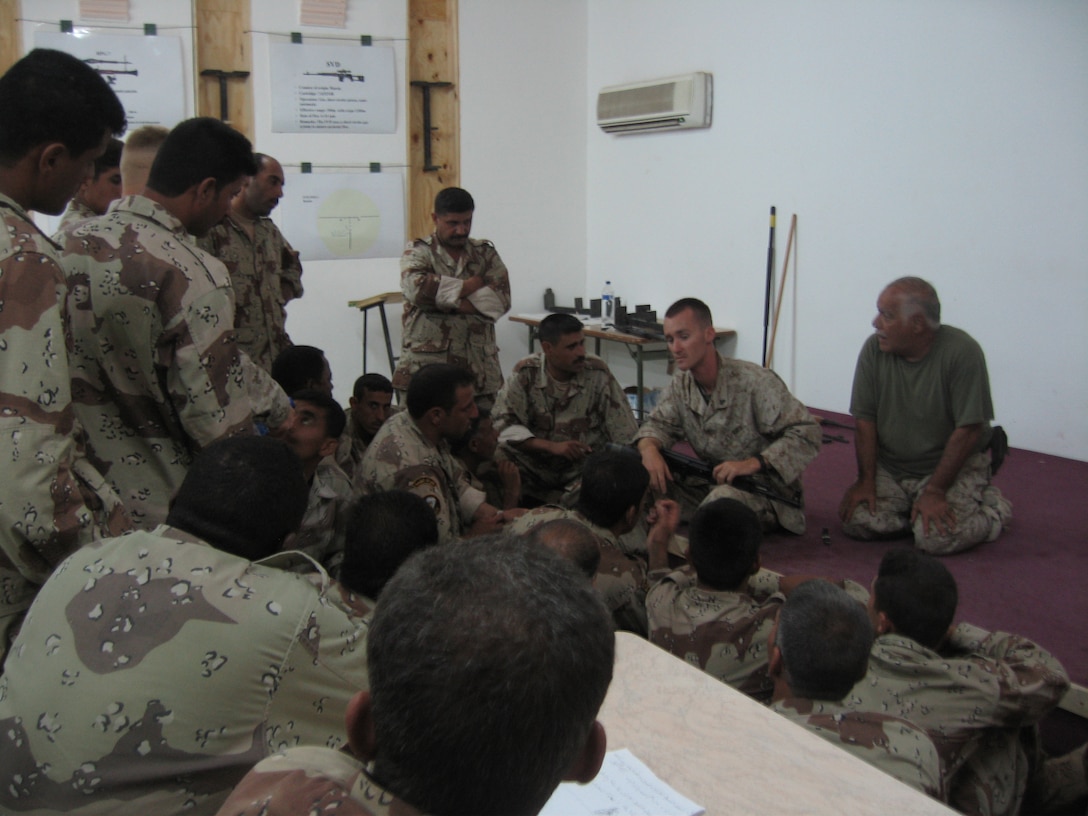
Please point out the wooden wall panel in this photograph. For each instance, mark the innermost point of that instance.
(222, 44)
(432, 57)
(11, 45)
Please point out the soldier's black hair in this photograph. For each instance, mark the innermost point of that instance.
(109, 160)
(50, 96)
(698, 308)
(243, 495)
(555, 326)
(198, 149)
(435, 386)
(335, 418)
(373, 382)
(723, 539)
(488, 662)
(383, 530)
(613, 481)
(453, 200)
(296, 367)
(570, 539)
(917, 593)
(825, 637)
(458, 446)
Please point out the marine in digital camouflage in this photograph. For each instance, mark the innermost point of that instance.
(591, 408)
(310, 780)
(321, 534)
(52, 499)
(154, 670)
(750, 411)
(891, 744)
(723, 633)
(402, 458)
(434, 331)
(156, 373)
(974, 700)
(621, 575)
(266, 274)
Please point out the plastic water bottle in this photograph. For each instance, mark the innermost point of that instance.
(608, 303)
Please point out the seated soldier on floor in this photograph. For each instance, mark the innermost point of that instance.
(411, 452)
(819, 648)
(370, 405)
(615, 491)
(558, 406)
(572, 540)
(979, 694)
(156, 668)
(301, 368)
(313, 433)
(499, 479)
(481, 700)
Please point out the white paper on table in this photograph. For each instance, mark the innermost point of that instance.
(624, 787)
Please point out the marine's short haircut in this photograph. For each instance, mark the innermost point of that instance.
(920, 295)
(50, 96)
(383, 530)
(825, 637)
(147, 136)
(110, 159)
(453, 200)
(613, 481)
(484, 695)
(243, 494)
(555, 326)
(917, 593)
(698, 308)
(435, 386)
(335, 418)
(297, 366)
(197, 149)
(376, 383)
(723, 540)
(570, 539)
(458, 446)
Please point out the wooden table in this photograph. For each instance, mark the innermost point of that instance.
(730, 754)
(365, 306)
(640, 348)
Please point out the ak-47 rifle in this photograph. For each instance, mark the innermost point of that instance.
(690, 466)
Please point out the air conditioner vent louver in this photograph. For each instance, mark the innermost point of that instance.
(671, 103)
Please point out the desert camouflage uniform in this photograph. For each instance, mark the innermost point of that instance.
(309, 780)
(402, 458)
(52, 500)
(75, 214)
(434, 331)
(265, 273)
(750, 411)
(591, 408)
(977, 705)
(156, 374)
(321, 534)
(352, 448)
(891, 744)
(723, 633)
(622, 575)
(154, 670)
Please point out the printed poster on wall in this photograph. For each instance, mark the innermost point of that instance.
(144, 72)
(332, 89)
(330, 216)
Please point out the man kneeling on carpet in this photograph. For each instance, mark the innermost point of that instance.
(481, 700)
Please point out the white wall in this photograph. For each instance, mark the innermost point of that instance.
(946, 140)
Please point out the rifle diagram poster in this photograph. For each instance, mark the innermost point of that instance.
(144, 72)
(333, 89)
(329, 216)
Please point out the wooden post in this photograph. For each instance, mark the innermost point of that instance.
(432, 57)
(222, 44)
(11, 44)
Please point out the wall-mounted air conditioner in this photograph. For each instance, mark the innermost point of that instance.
(671, 103)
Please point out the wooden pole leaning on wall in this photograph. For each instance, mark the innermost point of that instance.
(781, 290)
(224, 60)
(432, 59)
